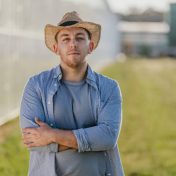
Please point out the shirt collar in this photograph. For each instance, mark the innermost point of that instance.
(90, 78)
(57, 72)
(90, 74)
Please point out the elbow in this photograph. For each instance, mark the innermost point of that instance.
(111, 142)
(109, 137)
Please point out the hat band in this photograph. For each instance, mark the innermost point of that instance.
(68, 23)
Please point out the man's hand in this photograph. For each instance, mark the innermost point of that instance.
(34, 137)
(44, 135)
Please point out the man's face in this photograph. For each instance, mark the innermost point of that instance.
(73, 45)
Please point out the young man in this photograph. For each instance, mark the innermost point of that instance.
(70, 115)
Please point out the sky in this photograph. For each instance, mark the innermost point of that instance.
(124, 5)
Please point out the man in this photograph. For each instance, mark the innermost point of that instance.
(70, 115)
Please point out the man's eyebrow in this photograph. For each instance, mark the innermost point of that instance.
(64, 35)
(80, 33)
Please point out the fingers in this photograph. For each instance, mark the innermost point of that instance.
(30, 136)
(27, 141)
(39, 122)
(30, 142)
(28, 130)
(30, 145)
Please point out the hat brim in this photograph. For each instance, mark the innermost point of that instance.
(51, 31)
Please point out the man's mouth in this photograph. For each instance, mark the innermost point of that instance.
(73, 53)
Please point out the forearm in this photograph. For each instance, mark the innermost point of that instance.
(97, 138)
(65, 138)
(44, 136)
(63, 148)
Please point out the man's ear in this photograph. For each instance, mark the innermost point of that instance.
(91, 47)
(55, 48)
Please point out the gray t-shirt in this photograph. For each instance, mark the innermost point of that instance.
(72, 110)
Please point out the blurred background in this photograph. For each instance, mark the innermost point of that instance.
(137, 48)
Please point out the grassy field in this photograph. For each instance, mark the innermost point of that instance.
(148, 137)
(13, 156)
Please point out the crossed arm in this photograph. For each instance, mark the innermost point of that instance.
(45, 135)
(39, 136)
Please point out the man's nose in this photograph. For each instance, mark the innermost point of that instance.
(73, 43)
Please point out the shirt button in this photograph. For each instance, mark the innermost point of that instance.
(51, 124)
(49, 102)
(55, 84)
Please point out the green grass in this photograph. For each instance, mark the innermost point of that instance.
(147, 141)
(13, 156)
(148, 136)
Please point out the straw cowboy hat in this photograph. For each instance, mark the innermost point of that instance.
(71, 19)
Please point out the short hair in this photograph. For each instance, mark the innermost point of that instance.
(88, 33)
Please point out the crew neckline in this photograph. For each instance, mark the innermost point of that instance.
(73, 83)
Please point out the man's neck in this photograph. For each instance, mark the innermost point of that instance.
(74, 74)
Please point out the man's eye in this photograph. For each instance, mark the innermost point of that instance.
(80, 38)
(65, 39)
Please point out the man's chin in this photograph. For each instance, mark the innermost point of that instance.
(74, 65)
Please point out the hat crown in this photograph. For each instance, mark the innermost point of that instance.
(70, 16)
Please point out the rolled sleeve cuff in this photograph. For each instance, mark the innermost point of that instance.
(82, 140)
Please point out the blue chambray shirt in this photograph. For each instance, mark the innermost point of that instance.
(37, 101)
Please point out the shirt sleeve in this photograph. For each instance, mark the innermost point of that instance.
(31, 107)
(104, 135)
